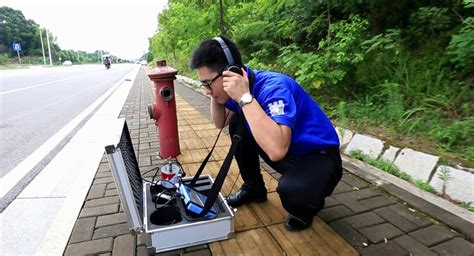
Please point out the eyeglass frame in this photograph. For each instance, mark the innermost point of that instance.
(208, 83)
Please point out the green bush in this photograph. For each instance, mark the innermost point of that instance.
(461, 47)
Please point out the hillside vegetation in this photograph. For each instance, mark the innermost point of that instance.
(400, 70)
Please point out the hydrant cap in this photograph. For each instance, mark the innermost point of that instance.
(161, 74)
(162, 71)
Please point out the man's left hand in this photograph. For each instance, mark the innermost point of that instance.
(235, 85)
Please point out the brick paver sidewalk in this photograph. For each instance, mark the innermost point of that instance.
(372, 222)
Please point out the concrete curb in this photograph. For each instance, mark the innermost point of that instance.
(454, 216)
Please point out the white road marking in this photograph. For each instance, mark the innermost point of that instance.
(38, 85)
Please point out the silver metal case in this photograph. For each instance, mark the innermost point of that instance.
(138, 206)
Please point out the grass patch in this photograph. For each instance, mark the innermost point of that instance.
(425, 186)
(388, 167)
(468, 206)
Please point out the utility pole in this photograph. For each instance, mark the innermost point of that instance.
(49, 48)
(42, 47)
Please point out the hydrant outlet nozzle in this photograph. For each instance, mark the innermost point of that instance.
(150, 112)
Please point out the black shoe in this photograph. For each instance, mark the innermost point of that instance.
(244, 196)
(294, 223)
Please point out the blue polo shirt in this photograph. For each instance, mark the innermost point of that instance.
(286, 102)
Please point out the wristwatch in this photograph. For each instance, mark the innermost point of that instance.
(246, 99)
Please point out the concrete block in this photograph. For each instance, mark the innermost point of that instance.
(368, 145)
(412, 246)
(83, 230)
(111, 219)
(124, 245)
(459, 186)
(417, 164)
(91, 247)
(334, 213)
(456, 246)
(381, 232)
(344, 135)
(432, 235)
(364, 220)
(390, 154)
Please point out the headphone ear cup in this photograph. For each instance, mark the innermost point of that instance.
(234, 69)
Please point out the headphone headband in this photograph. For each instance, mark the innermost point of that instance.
(228, 54)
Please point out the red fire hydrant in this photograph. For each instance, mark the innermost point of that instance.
(163, 109)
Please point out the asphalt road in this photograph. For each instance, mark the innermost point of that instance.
(36, 103)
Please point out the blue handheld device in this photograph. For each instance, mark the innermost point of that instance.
(194, 201)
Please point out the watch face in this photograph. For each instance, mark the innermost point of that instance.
(246, 98)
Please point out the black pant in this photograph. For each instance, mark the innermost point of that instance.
(305, 181)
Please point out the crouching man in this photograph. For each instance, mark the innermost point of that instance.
(282, 124)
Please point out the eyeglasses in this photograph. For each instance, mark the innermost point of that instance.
(208, 83)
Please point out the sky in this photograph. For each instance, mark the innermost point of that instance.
(121, 27)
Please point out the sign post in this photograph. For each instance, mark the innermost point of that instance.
(17, 48)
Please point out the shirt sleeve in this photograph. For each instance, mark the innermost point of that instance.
(279, 104)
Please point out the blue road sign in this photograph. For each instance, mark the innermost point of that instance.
(16, 47)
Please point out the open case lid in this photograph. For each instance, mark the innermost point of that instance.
(124, 166)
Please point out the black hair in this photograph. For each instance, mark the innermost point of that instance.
(210, 54)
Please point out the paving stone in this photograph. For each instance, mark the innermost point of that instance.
(141, 239)
(351, 203)
(103, 174)
(334, 213)
(330, 202)
(396, 219)
(368, 145)
(105, 180)
(144, 161)
(354, 182)
(390, 154)
(364, 220)
(83, 230)
(432, 235)
(341, 188)
(102, 201)
(96, 191)
(104, 166)
(412, 246)
(376, 202)
(363, 193)
(90, 247)
(111, 231)
(99, 210)
(111, 219)
(111, 185)
(124, 245)
(142, 251)
(350, 234)
(417, 164)
(457, 184)
(413, 217)
(111, 192)
(387, 249)
(456, 246)
(143, 145)
(378, 233)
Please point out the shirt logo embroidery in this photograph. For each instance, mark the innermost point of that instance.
(277, 108)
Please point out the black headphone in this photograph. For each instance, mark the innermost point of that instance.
(231, 66)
